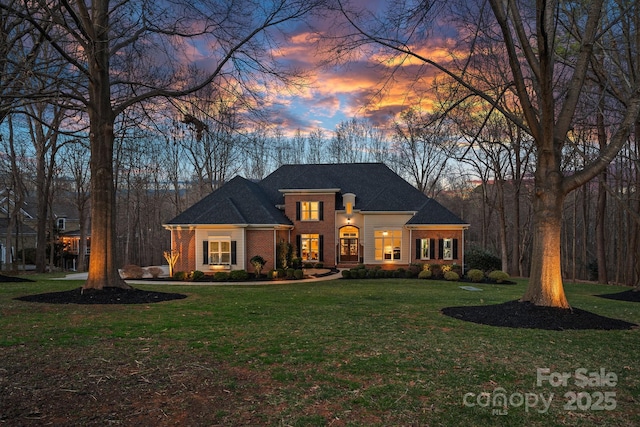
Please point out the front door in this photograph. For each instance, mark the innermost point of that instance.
(349, 249)
(349, 244)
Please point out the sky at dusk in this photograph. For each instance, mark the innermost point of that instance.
(359, 88)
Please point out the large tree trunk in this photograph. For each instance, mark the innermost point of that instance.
(545, 283)
(103, 271)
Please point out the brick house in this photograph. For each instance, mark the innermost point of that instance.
(336, 214)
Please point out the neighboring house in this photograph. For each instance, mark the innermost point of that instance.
(66, 226)
(336, 214)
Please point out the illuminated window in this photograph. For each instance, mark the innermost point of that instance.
(425, 249)
(310, 211)
(447, 249)
(388, 244)
(220, 252)
(310, 247)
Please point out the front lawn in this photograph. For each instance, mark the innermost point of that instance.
(356, 352)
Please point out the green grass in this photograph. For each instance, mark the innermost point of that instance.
(357, 352)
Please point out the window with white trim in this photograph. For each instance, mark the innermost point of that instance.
(388, 244)
(220, 252)
(425, 249)
(447, 249)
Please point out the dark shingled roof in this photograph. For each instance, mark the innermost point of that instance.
(239, 201)
(377, 188)
(434, 213)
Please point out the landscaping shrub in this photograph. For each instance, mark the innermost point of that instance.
(482, 260)
(298, 274)
(238, 275)
(457, 268)
(346, 274)
(475, 275)
(362, 273)
(380, 274)
(319, 265)
(451, 276)
(296, 263)
(436, 271)
(197, 275)
(155, 272)
(414, 269)
(180, 275)
(284, 255)
(280, 273)
(258, 263)
(221, 276)
(308, 265)
(289, 273)
(499, 276)
(424, 274)
(131, 271)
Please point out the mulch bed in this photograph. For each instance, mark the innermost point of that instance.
(516, 314)
(109, 295)
(11, 279)
(632, 295)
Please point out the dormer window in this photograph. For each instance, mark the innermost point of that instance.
(60, 225)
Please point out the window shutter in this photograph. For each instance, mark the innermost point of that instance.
(298, 246)
(455, 248)
(432, 248)
(205, 252)
(440, 248)
(234, 259)
(297, 211)
(320, 210)
(320, 248)
(418, 249)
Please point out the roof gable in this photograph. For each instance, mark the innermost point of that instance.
(239, 201)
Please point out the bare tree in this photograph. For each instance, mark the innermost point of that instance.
(14, 192)
(548, 76)
(44, 126)
(316, 143)
(423, 146)
(19, 51)
(212, 140)
(75, 160)
(350, 144)
(121, 54)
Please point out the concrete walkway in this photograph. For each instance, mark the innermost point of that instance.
(338, 275)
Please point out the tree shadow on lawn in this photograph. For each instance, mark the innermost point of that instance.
(632, 295)
(11, 279)
(516, 314)
(109, 295)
